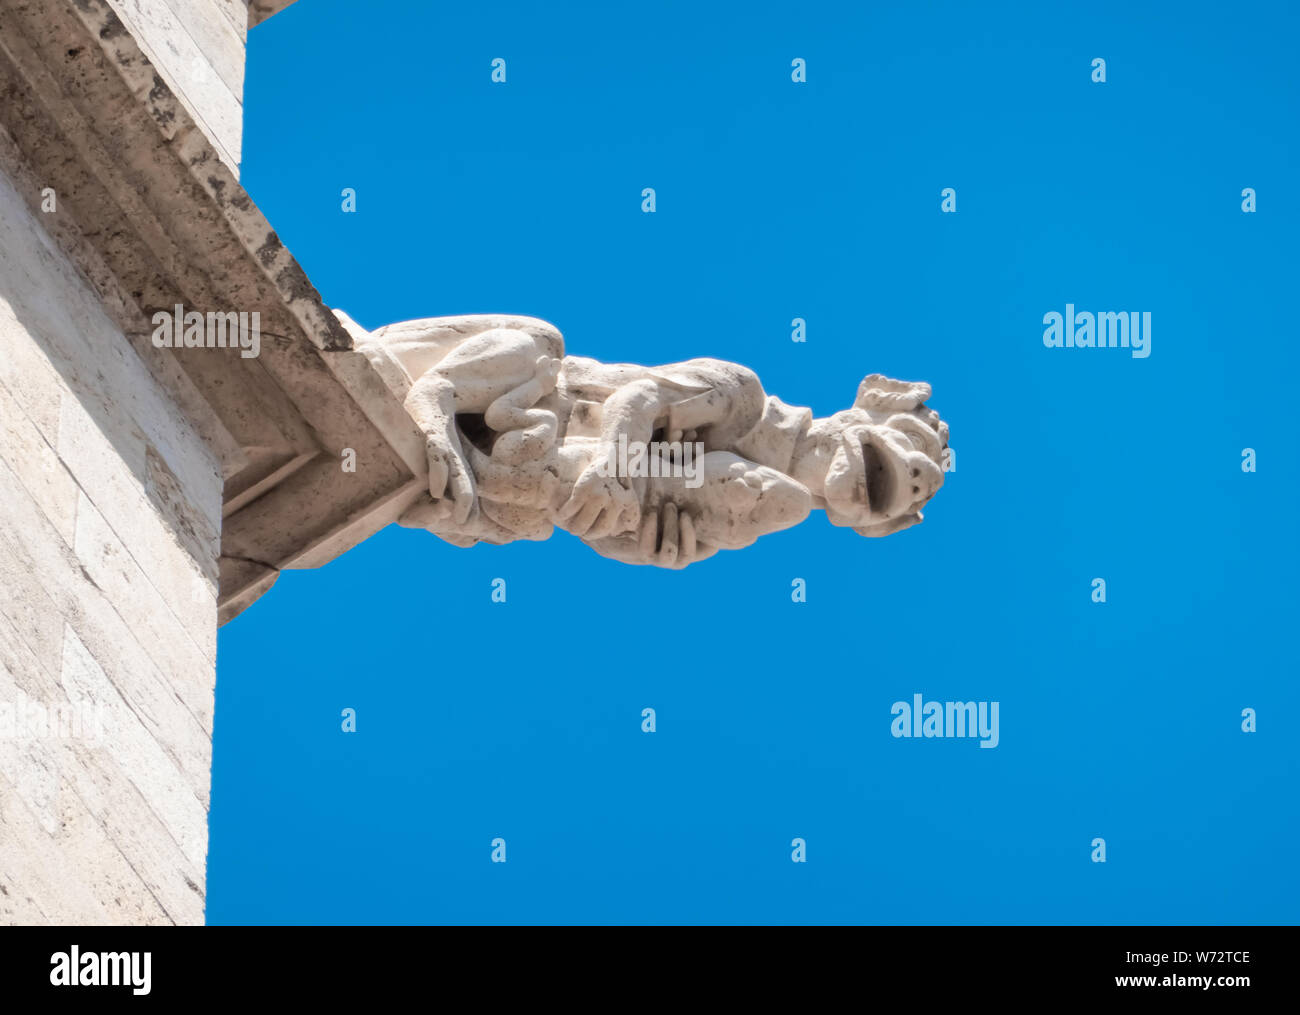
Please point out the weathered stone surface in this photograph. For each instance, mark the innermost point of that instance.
(260, 10)
(200, 54)
(122, 816)
(36, 464)
(152, 216)
(89, 824)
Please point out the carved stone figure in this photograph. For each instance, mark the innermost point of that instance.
(648, 465)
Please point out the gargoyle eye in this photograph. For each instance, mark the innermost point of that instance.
(923, 440)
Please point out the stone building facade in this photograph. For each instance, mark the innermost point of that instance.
(147, 494)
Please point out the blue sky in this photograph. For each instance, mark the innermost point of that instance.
(819, 200)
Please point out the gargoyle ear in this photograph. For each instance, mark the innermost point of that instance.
(884, 394)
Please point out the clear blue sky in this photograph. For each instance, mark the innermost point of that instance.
(819, 200)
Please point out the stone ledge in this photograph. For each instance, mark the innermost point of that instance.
(260, 10)
(152, 217)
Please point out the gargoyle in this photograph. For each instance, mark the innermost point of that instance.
(521, 438)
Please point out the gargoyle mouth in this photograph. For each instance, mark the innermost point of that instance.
(878, 478)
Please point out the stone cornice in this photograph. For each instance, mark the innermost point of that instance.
(152, 217)
(260, 10)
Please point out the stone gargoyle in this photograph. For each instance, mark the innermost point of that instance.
(647, 465)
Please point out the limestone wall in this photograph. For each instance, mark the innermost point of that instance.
(146, 494)
(110, 509)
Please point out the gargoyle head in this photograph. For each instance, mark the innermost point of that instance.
(883, 458)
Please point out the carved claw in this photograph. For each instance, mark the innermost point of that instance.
(548, 372)
(600, 506)
(667, 537)
(450, 480)
(438, 471)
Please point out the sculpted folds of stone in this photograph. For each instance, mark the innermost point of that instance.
(648, 465)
